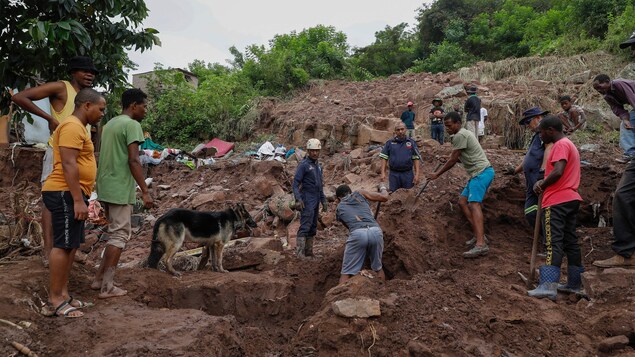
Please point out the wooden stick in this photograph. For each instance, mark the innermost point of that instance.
(23, 349)
(534, 246)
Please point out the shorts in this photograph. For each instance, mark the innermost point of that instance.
(120, 226)
(363, 242)
(478, 185)
(47, 164)
(68, 233)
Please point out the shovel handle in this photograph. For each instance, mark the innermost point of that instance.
(428, 181)
(377, 210)
(534, 245)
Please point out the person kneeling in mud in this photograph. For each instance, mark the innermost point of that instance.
(365, 236)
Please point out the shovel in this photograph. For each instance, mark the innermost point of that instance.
(534, 246)
(410, 201)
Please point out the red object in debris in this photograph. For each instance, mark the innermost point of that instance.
(222, 147)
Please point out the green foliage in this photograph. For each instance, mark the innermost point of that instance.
(618, 30)
(292, 59)
(38, 37)
(445, 57)
(392, 52)
(181, 114)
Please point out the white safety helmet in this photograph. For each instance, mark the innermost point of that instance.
(313, 144)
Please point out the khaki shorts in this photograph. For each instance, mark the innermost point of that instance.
(472, 125)
(47, 164)
(120, 226)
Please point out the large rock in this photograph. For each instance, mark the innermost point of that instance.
(263, 187)
(613, 284)
(613, 343)
(356, 307)
(260, 244)
(579, 78)
(451, 91)
(203, 198)
(627, 72)
(367, 135)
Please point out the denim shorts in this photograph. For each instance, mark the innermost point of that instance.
(478, 185)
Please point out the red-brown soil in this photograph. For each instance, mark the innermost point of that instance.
(434, 303)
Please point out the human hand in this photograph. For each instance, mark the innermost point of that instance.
(299, 205)
(381, 186)
(538, 187)
(510, 170)
(325, 206)
(81, 210)
(148, 202)
(53, 124)
(627, 124)
(416, 180)
(433, 176)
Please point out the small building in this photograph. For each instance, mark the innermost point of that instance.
(140, 80)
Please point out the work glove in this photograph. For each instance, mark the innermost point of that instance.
(299, 205)
(325, 206)
(381, 186)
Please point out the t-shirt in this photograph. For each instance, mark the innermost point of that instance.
(71, 133)
(472, 155)
(354, 211)
(434, 119)
(115, 183)
(408, 119)
(400, 154)
(473, 108)
(566, 188)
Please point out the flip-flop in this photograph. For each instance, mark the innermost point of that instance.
(82, 305)
(66, 313)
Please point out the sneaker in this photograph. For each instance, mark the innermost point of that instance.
(476, 251)
(615, 261)
(625, 159)
(472, 241)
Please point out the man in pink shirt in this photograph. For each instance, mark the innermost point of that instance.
(560, 204)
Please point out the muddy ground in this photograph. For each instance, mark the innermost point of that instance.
(273, 304)
(434, 303)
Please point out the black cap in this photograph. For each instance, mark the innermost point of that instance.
(472, 90)
(82, 62)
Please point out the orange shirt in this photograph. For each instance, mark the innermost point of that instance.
(71, 133)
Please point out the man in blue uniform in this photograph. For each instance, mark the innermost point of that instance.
(308, 189)
(365, 238)
(402, 155)
(408, 119)
(533, 166)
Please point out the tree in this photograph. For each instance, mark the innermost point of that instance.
(392, 52)
(39, 36)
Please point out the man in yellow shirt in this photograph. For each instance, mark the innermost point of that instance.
(61, 95)
(65, 194)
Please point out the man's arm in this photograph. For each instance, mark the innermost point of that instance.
(137, 173)
(454, 158)
(297, 181)
(416, 163)
(71, 175)
(545, 157)
(565, 121)
(49, 90)
(554, 176)
(578, 120)
(375, 196)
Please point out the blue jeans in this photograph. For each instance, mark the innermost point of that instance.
(627, 137)
(437, 132)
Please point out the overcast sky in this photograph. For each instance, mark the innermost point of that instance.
(200, 29)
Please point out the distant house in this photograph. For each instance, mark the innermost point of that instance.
(140, 80)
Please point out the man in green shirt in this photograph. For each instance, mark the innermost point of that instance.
(469, 152)
(118, 170)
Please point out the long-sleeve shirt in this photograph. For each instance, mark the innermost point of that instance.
(622, 92)
(307, 183)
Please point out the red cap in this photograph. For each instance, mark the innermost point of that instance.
(410, 104)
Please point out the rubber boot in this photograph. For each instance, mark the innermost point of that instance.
(574, 281)
(308, 251)
(300, 246)
(548, 285)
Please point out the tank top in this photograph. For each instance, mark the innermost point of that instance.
(68, 109)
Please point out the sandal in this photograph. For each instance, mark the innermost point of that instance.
(81, 304)
(68, 309)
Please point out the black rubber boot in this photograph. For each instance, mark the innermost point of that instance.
(308, 251)
(301, 246)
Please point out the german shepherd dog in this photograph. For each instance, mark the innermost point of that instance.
(211, 229)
